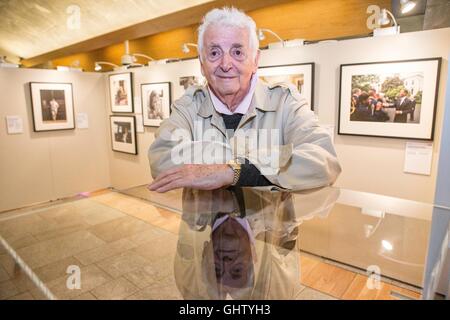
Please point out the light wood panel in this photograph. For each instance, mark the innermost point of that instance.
(316, 19)
(306, 19)
(179, 19)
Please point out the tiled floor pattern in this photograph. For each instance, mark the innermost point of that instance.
(125, 247)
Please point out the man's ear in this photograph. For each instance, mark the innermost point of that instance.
(256, 60)
(201, 66)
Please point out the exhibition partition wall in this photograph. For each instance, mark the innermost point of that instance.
(46, 165)
(38, 166)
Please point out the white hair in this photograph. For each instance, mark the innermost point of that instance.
(229, 17)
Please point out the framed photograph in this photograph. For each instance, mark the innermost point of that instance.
(156, 100)
(300, 75)
(123, 134)
(52, 106)
(393, 99)
(121, 92)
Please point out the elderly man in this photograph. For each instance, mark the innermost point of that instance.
(233, 105)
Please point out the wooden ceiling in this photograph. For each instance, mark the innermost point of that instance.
(30, 28)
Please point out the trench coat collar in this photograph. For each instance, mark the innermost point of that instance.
(259, 101)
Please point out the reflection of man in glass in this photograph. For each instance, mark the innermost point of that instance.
(243, 243)
(155, 105)
(233, 263)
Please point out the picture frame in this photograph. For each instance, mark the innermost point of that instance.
(156, 103)
(121, 92)
(52, 106)
(389, 99)
(123, 134)
(301, 75)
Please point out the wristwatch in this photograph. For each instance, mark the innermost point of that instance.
(236, 167)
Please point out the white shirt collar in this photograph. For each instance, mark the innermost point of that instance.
(243, 222)
(242, 107)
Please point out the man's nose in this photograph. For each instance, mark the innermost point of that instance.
(225, 63)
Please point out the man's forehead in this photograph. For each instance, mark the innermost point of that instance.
(216, 35)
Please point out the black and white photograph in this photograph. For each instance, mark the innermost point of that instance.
(390, 99)
(52, 106)
(300, 75)
(123, 134)
(156, 100)
(121, 92)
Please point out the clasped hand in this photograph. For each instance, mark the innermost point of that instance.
(196, 176)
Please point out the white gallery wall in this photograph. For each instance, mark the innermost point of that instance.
(369, 164)
(43, 166)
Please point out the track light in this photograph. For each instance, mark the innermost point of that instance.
(385, 18)
(98, 64)
(185, 47)
(261, 35)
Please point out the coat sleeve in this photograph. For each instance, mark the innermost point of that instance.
(175, 145)
(307, 158)
(159, 153)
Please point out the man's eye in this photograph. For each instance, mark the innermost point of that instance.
(214, 53)
(238, 53)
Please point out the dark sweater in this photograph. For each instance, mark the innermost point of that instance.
(250, 175)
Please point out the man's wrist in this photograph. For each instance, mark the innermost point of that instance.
(236, 168)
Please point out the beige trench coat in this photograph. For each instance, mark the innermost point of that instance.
(304, 155)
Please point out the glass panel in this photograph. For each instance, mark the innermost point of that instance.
(249, 243)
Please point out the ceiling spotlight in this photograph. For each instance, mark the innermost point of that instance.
(406, 6)
(261, 35)
(185, 47)
(384, 18)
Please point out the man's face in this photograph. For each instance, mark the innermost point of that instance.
(228, 63)
(402, 93)
(232, 254)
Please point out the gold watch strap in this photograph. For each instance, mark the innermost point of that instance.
(236, 167)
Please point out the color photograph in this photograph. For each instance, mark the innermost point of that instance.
(394, 99)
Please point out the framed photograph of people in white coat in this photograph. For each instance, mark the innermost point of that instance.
(391, 99)
(156, 100)
(52, 106)
(300, 75)
(123, 134)
(121, 92)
